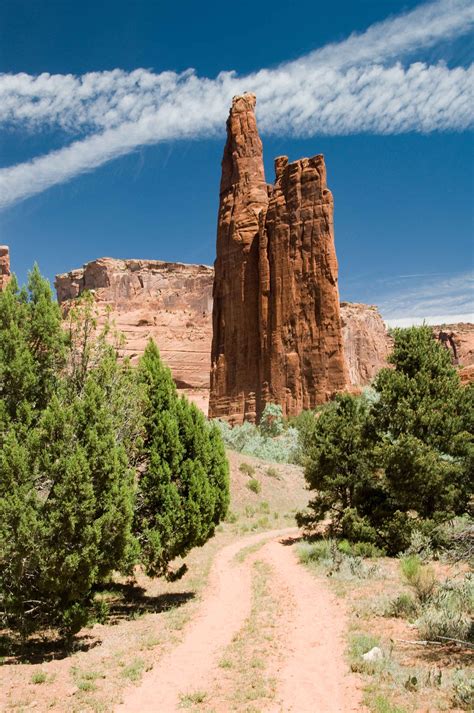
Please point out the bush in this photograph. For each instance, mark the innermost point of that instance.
(183, 490)
(247, 469)
(271, 441)
(402, 606)
(420, 577)
(449, 613)
(254, 485)
(100, 466)
(315, 551)
(463, 691)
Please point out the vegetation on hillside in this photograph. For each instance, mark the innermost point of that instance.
(398, 459)
(102, 466)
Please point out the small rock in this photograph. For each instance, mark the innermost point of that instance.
(374, 654)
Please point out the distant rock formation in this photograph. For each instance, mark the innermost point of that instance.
(366, 342)
(169, 302)
(5, 273)
(276, 322)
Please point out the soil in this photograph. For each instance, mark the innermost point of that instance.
(313, 675)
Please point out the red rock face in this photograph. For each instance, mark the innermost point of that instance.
(168, 302)
(5, 273)
(276, 323)
(235, 376)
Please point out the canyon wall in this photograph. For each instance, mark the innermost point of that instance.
(276, 323)
(4, 266)
(168, 302)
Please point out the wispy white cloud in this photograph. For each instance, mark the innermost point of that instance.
(431, 299)
(342, 88)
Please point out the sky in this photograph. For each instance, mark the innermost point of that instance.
(112, 127)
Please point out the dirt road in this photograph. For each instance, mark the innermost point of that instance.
(312, 676)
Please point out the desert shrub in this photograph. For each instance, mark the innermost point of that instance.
(421, 578)
(273, 473)
(99, 467)
(403, 607)
(254, 485)
(449, 613)
(420, 546)
(247, 469)
(251, 440)
(366, 549)
(66, 489)
(183, 489)
(463, 690)
(315, 551)
(271, 422)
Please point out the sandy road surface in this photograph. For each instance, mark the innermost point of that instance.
(313, 677)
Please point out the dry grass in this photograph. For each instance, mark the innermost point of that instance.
(410, 677)
(246, 684)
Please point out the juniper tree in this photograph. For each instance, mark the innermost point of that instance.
(405, 459)
(184, 488)
(66, 489)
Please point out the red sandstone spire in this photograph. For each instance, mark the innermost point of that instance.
(276, 324)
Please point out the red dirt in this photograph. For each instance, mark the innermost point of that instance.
(313, 676)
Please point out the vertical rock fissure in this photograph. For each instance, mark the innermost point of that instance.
(277, 333)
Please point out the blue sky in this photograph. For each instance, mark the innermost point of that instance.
(126, 163)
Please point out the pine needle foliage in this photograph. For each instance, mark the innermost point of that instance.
(400, 460)
(183, 490)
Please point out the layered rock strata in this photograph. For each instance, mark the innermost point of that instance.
(168, 302)
(276, 322)
(5, 273)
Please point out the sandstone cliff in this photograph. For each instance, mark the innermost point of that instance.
(4, 266)
(366, 342)
(169, 302)
(276, 325)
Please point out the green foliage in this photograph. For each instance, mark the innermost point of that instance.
(254, 485)
(396, 460)
(463, 690)
(271, 421)
(247, 469)
(403, 607)
(338, 466)
(183, 491)
(272, 440)
(79, 433)
(421, 578)
(449, 611)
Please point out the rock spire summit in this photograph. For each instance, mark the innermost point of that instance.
(277, 333)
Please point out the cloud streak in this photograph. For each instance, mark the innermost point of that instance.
(350, 87)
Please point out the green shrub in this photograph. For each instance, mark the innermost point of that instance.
(387, 464)
(315, 551)
(39, 677)
(254, 485)
(273, 473)
(183, 489)
(366, 549)
(421, 578)
(449, 613)
(402, 606)
(463, 690)
(247, 469)
(249, 439)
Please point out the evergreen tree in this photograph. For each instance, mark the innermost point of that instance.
(66, 489)
(184, 489)
(32, 348)
(401, 461)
